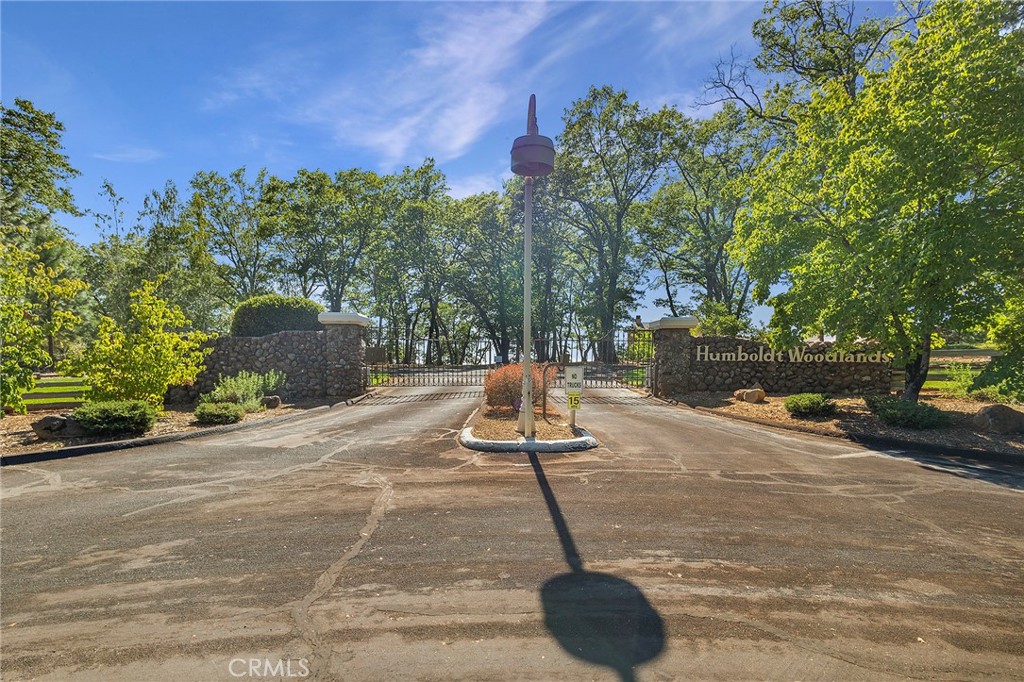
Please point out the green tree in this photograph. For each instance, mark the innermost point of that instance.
(487, 267)
(897, 211)
(690, 221)
(236, 217)
(32, 310)
(34, 166)
(328, 224)
(140, 361)
(610, 154)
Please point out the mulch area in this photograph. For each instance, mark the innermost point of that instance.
(854, 418)
(499, 423)
(18, 438)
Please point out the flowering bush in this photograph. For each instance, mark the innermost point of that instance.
(504, 385)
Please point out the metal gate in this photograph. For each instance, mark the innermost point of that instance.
(623, 358)
(427, 362)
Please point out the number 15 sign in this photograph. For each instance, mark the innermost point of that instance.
(573, 386)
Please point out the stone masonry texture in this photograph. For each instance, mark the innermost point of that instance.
(686, 363)
(316, 364)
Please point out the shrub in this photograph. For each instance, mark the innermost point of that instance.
(245, 389)
(896, 412)
(262, 315)
(140, 363)
(116, 417)
(219, 413)
(504, 385)
(1002, 380)
(961, 378)
(810, 405)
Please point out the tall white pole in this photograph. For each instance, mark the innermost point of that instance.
(526, 425)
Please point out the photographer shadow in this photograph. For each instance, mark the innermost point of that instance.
(596, 617)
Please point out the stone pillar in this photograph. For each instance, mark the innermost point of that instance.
(344, 354)
(672, 344)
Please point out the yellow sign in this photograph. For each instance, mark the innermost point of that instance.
(574, 400)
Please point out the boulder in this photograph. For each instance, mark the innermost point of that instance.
(754, 395)
(999, 419)
(271, 401)
(57, 426)
(738, 394)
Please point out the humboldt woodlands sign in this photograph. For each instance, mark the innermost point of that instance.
(799, 354)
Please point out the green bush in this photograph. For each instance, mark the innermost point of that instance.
(245, 389)
(262, 315)
(1002, 379)
(116, 417)
(896, 412)
(961, 378)
(810, 405)
(219, 413)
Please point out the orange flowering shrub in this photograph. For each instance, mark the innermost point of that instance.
(503, 385)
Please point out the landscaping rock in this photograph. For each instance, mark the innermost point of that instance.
(753, 395)
(271, 401)
(999, 419)
(738, 393)
(57, 426)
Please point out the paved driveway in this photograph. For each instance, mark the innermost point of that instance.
(364, 544)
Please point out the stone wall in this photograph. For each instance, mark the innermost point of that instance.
(317, 365)
(713, 363)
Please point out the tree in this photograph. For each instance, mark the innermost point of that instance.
(32, 311)
(141, 361)
(610, 153)
(235, 217)
(897, 211)
(328, 223)
(33, 166)
(690, 221)
(487, 267)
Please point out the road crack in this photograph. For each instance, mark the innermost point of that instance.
(321, 656)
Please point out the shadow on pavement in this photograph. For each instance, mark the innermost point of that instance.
(596, 617)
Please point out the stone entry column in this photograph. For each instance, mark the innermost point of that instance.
(344, 354)
(672, 343)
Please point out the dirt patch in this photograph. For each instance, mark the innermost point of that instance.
(499, 423)
(854, 418)
(18, 438)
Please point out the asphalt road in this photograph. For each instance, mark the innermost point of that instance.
(364, 544)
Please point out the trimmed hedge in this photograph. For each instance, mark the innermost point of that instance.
(219, 413)
(810, 405)
(262, 315)
(116, 417)
(896, 412)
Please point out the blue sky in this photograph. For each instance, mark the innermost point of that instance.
(159, 90)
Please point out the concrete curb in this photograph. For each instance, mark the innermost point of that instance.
(112, 446)
(584, 442)
(876, 441)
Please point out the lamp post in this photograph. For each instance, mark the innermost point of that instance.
(533, 155)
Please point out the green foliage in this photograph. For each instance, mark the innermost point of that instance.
(639, 346)
(895, 210)
(1002, 380)
(142, 361)
(896, 412)
(961, 379)
(806, 405)
(328, 224)
(715, 319)
(33, 166)
(219, 413)
(239, 222)
(116, 417)
(32, 301)
(272, 313)
(245, 389)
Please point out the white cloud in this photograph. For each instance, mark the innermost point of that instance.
(130, 155)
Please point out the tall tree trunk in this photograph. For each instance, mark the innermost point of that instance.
(916, 371)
